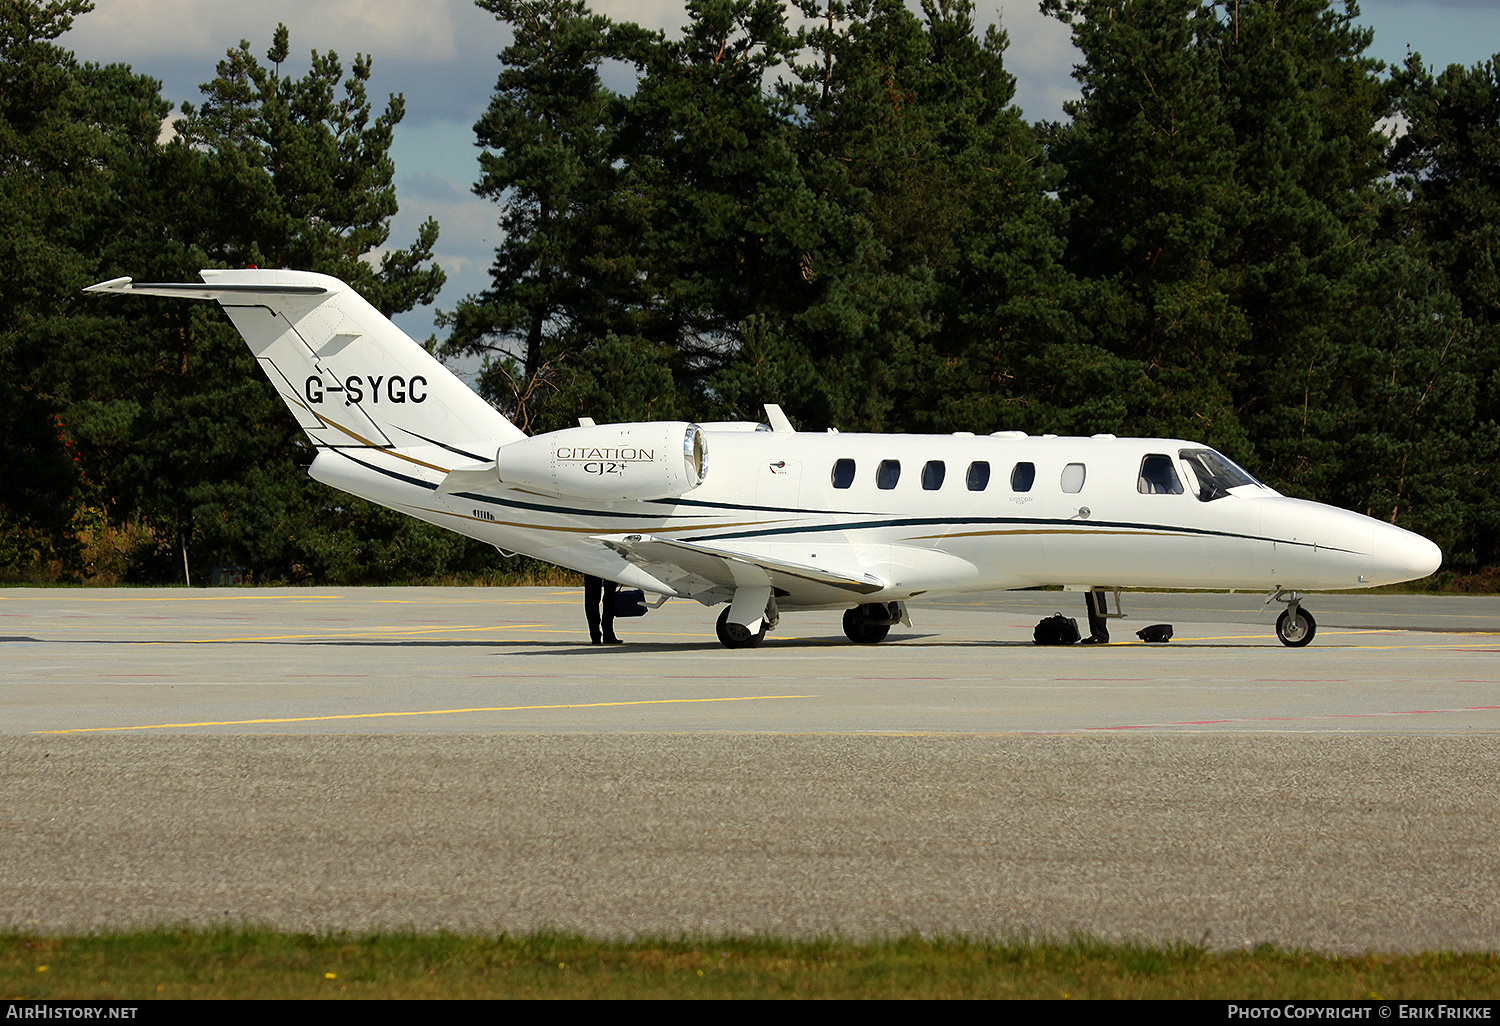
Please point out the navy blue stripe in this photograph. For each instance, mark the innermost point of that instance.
(492, 500)
(445, 445)
(563, 510)
(382, 470)
(1007, 521)
(857, 525)
(804, 511)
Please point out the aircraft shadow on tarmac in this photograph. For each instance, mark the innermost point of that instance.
(534, 647)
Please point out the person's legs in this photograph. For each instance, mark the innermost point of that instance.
(610, 587)
(591, 589)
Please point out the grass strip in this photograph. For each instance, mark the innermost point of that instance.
(255, 963)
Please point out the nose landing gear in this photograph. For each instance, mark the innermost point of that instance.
(1295, 626)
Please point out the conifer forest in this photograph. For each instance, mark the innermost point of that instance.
(1244, 232)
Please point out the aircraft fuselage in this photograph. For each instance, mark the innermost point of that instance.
(943, 526)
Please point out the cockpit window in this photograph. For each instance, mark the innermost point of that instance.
(1214, 474)
(843, 473)
(1158, 477)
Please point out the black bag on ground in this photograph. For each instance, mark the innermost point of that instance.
(1157, 632)
(1056, 630)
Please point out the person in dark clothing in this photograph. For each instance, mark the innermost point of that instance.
(1098, 625)
(594, 590)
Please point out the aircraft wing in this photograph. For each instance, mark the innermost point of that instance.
(699, 570)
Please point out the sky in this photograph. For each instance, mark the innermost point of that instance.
(441, 56)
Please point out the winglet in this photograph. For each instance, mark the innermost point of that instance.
(113, 285)
(779, 422)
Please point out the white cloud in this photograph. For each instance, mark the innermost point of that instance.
(192, 28)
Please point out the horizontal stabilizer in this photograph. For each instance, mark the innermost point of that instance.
(194, 290)
(350, 377)
(679, 561)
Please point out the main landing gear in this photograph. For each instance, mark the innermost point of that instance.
(870, 623)
(1295, 626)
(739, 626)
(737, 635)
(863, 625)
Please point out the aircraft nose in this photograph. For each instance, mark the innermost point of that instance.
(1400, 555)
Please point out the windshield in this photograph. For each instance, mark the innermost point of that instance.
(1214, 474)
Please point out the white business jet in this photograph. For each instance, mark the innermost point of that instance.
(771, 520)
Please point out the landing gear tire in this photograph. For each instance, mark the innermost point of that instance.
(863, 626)
(734, 635)
(1295, 629)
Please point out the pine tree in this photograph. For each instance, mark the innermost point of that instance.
(723, 220)
(1448, 166)
(70, 135)
(1006, 328)
(1150, 186)
(305, 174)
(559, 273)
(937, 282)
(1225, 179)
(173, 417)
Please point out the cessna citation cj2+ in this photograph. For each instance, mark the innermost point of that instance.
(771, 520)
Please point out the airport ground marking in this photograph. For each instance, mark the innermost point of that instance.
(421, 712)
(142, 596)
(1288, 719)
(378, 632)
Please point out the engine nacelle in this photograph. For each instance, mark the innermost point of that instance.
(658, 460)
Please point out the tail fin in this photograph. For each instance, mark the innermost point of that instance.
(350, 377)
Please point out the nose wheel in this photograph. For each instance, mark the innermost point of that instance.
(1295, 627)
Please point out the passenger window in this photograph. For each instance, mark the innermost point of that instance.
(1158, 477)
(979, 476)
(843, 473)
(1072, 478)
(887, 474)
(1023, 477)
(933, 472)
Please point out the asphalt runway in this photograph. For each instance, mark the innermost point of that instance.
(344, 759)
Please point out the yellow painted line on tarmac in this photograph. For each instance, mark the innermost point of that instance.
(379, 632)
(137, 596)
(1336, 633)
(424, 712)
(392, 632)
(1446, 646)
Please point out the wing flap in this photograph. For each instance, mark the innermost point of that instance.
(698, 569)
